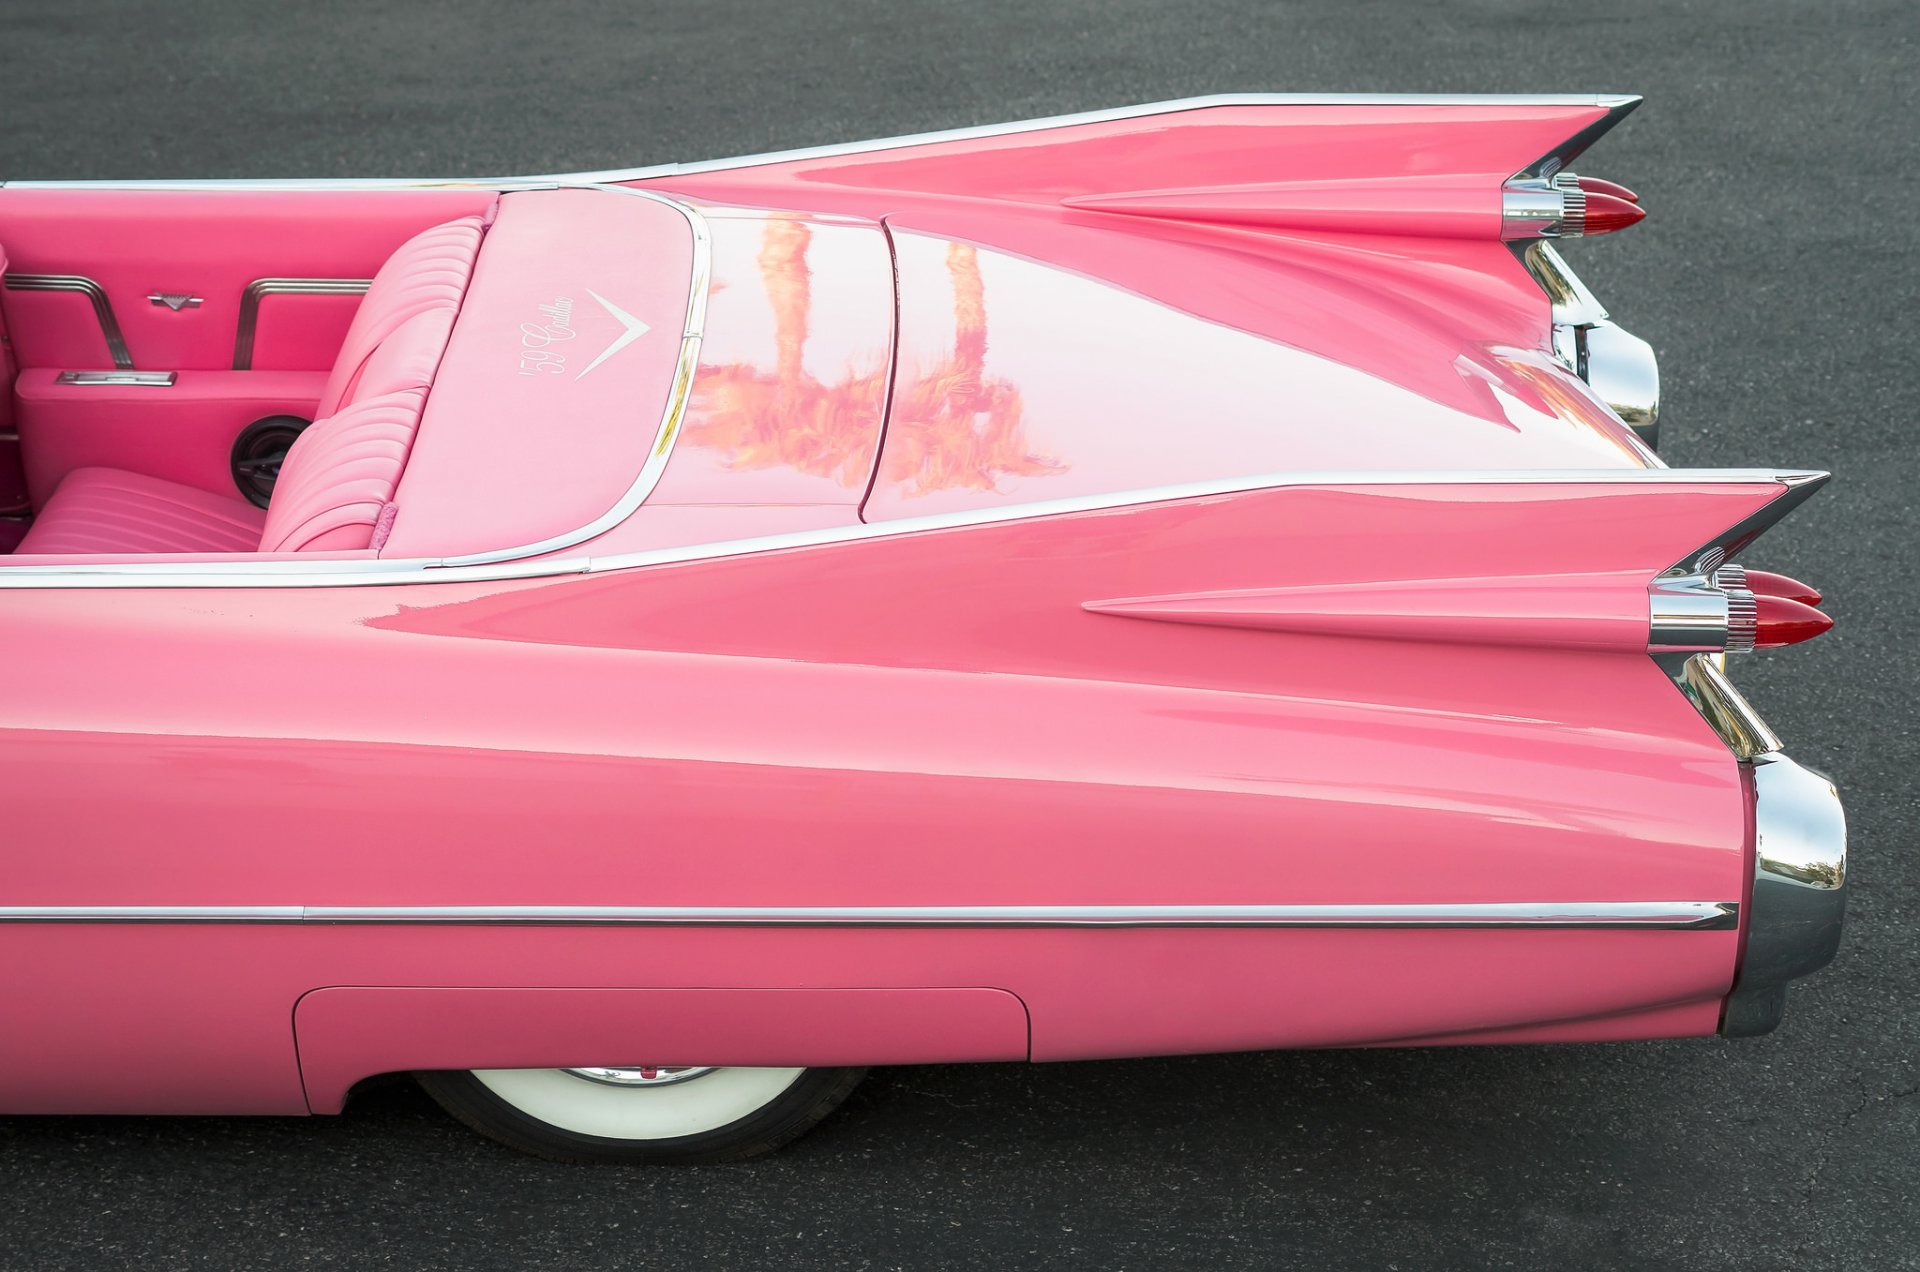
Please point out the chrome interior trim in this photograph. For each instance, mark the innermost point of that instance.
(150, 379)
(1698, 916)
(1799, 890)
(260, 288)
(95, 293)
(242, 571)
(1616, 105)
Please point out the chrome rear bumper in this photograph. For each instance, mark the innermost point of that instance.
(1799, 891)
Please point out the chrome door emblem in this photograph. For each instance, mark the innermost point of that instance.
(634, 330)
(175, 301)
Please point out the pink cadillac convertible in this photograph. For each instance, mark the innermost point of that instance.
(635, 648)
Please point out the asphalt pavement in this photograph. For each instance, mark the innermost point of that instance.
(1776, 278)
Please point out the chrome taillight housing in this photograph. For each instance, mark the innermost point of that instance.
(1565, 206)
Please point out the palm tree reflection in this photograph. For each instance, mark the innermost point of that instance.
(951, 425)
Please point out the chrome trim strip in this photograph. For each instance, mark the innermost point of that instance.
(1799, 891)
(95, 293)
(1697, 916)
(150, 914)
(1616, 105)
(263, 287)
(245, 572)
(148, 379)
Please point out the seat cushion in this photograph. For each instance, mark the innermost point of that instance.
(105, 510)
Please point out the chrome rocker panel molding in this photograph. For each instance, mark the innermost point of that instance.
(1691, 916)
(1799, 891)
(489, 567)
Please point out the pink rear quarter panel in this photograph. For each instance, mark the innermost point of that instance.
(1069, 324)
(928, 719)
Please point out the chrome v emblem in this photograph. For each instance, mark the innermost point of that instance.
(634, 330)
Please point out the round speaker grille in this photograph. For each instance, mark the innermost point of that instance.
(258, 453)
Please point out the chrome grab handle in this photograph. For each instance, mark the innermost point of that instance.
(152, 379)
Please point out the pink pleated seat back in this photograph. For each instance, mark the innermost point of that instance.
(339, 478)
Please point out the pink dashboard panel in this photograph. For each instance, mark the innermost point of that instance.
(349, 1033)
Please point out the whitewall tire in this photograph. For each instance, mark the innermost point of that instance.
(658, 1115)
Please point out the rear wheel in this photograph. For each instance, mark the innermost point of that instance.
(661, 1115)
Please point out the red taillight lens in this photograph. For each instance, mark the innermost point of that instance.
(1766, 583)
(1594, 185)
(1780, 621)
(1606, 213)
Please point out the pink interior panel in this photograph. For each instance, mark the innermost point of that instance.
(290, 330)
(182, 433)
(349, 1033)
(210, 243)
(548, 403)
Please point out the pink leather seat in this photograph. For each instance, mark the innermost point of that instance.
(107, 510)
(339, 477)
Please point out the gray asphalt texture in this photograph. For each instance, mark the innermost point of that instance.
(1775, 276)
